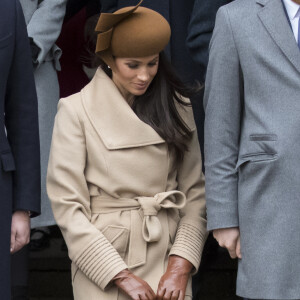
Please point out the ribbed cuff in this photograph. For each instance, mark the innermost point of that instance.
(100, 262)
(189, 243)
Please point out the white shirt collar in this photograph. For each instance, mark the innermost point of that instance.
(292, 9)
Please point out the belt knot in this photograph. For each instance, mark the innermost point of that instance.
(149, 205)
(151, 228)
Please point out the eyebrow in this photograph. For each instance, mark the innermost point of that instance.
(138, 61)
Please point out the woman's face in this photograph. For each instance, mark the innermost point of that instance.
(134, 75)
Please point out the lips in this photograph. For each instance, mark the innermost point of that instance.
(141, 86)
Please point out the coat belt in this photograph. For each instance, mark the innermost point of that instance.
(145, 229)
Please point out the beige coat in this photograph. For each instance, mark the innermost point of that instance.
(117, 194)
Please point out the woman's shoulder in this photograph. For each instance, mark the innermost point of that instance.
(185, 111)
(70, 102)
(70, 106)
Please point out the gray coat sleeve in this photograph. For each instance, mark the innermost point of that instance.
(222, 103)
(45, 26)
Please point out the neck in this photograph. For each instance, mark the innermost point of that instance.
(130, 100)
(126, 95)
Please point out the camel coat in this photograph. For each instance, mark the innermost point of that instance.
(117, 194)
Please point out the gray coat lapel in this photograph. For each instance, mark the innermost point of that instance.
(273, 17)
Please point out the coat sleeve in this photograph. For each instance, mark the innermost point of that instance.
(191, 234)
(45, 25)
(69, 195)
(21, 122)
(222, 103)
(200, 30)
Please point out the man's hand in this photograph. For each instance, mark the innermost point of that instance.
(229, 238)
(20, 231)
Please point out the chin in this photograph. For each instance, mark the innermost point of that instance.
(138, 92)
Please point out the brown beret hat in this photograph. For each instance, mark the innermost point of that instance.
(131, 32)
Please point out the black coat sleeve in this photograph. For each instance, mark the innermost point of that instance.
(21, 122)
(200, 30)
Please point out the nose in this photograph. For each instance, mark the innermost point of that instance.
(143, 75)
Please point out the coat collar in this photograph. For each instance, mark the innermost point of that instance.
(114, 120)
(273, 17)
(111, 116)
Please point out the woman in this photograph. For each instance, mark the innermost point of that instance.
(125, 169)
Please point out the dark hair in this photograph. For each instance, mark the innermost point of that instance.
(157, 107)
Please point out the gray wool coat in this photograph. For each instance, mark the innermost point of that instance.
(252, 144)
(44, 20)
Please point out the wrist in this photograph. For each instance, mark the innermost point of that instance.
(179, 265)
(124, 273)
(26, 213)
(22, 215)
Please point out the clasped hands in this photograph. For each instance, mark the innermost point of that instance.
(172, 284)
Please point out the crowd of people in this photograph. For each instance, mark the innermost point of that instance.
(118, 162)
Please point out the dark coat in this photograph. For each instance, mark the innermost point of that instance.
(19, 143)
(200, 31)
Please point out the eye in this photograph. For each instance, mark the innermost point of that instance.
(152, 64)
(132, 66)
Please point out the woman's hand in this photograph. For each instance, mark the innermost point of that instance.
(173, 283)
(229, 238)
(133, 286)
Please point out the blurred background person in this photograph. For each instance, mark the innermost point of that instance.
(200, 31)
(72, 77)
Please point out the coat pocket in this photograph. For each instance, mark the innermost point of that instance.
(263, 137)
(118, 236)
(255, 158)
(258, 148)
(8, 162)
(5, 41)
